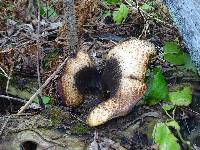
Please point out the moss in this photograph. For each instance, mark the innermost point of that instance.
(79, 128)
(56, 115)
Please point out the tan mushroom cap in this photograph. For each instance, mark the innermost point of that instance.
(128, 94)
(71, 95)
(133, 57)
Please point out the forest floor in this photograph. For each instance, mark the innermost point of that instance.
(30, 52)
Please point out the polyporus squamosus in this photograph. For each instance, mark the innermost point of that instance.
(123, 76)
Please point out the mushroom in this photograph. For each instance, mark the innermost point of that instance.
(123, 76)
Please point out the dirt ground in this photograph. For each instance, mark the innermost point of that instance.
(54, 125)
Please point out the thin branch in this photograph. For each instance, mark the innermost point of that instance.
(38, 46)
(4, 73)
(23, 108)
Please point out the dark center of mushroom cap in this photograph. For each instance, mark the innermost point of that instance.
(103, 83)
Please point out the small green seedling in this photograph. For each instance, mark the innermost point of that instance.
(121, 14)
(45, 99)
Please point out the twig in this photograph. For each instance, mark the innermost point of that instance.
(8, 82)
(23, 108)
(4, 73)
(33, 106)
(13, 98)
(38, 47)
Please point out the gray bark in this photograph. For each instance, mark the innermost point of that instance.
(186, 15)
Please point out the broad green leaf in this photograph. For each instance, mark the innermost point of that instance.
(175, 58)
(167, 107)
(42, 11)
(157, 87)
(164, 138)
(171, 47)
(182, 97)
(120, 15)
(174, 55)
(173, 124)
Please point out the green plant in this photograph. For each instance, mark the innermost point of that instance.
(157, 91)
(121, 14)
(46, 11)
(181, 97)
(157, 87)
(164, 137)
(174, 55)
(113, 1)
(45, 99)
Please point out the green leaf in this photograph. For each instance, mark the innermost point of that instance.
(182, 97)
(171, 47)
(174, 55)
(189, 65)
(157, 87)
(167, 107)
(120, 15)
(173, 124)
(51, 11)
(107, 14)
(42, 11)
(147, 7)
(164, 138)
(46, 100)
(113, 1)
(176, 58)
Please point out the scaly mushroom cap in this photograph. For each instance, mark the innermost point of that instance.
(133, 57)
(128, 94)
(126, 66)
(71, 95)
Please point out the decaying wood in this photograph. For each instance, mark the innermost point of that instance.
(186, 15)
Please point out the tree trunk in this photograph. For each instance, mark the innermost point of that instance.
(186, 15)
